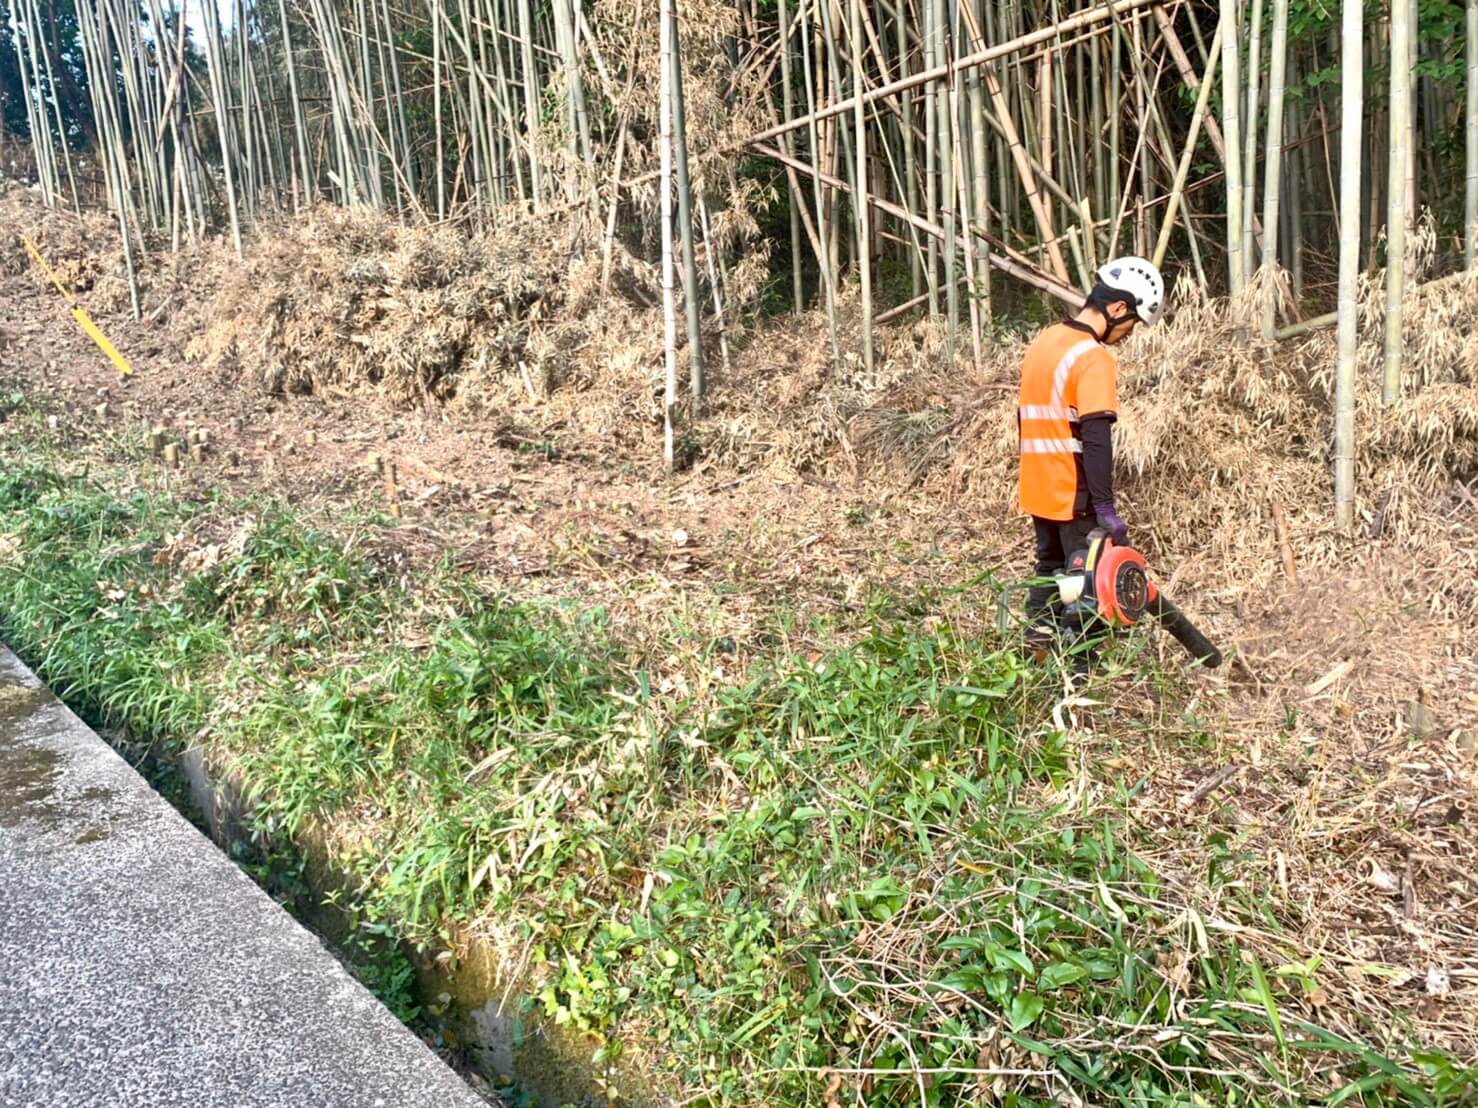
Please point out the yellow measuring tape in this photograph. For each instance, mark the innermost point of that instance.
(83, 319)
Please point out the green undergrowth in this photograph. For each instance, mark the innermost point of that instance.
(856, 875)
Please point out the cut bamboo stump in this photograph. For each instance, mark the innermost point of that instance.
(1285, 548)
(310, 438)
(156, 440)
(101, 411)
(197, 452)
(172, 455)
(392, 490)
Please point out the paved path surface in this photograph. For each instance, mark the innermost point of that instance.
(139, 966)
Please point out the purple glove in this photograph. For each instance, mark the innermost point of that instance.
(1109, 520)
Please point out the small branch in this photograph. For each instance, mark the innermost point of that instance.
(1210, 785)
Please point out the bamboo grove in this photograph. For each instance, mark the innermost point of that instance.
(955, 157)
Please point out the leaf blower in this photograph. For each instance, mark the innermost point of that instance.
(1112, 584)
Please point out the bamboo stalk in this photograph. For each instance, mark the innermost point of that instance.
(788, 104)
(1231, 96)
(864, 236)
(910, 171)
(1470, 192)
(715, 281)
(531, 101)
(949, 209)
(1352, 62)
(685, 224)
(1272, 183)
(669, 307)
(1249, 129)
(931, 154)
(980, 176)
(1396, 192)
(823, 234)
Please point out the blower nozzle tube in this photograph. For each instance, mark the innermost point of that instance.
(1173, 620)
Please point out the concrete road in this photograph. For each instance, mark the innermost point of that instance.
(140, 967)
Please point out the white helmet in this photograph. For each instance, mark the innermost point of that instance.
(1140, 280)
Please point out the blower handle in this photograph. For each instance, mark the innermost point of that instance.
(1168, 616)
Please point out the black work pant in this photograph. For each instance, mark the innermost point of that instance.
(1056, 541)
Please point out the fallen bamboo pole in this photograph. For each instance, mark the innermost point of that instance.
(1028, 180)
(950, 70)
(922, 77)
(1188, 78)
(1328, 319)
(1203, 98)
(1018, 268)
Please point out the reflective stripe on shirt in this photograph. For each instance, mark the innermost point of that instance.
(1065, 366)
(1051, 446)
(1048, 411)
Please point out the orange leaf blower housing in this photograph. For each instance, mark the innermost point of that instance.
(1113, 583)
(1116, 581)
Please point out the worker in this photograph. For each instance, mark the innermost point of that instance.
(1068, 405)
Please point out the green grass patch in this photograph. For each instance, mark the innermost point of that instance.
(864, 874)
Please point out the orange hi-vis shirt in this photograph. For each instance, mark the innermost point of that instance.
(1066, 373)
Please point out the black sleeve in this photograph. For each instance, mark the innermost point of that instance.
(1097, 433)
